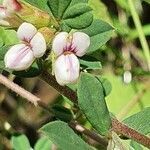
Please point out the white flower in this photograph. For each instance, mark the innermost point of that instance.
(66, 69)
(21, 56)
(67, 47)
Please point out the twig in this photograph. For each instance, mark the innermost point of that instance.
(33, 99)
(19, 90)
(123, 129)
(93, 135)
(116, 125)
(63, 90)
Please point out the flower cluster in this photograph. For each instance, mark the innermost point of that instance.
(67, 47)
(32, 46)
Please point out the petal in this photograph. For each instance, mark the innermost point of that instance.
(82, 42)
(38, 45)
(66, 69)
(26, 31)
(19, 57)
(59, 43)
(12, 5)
(3, 12)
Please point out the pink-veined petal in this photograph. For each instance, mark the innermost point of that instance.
(38, 45)
(19, 57)
(59, 43)
(12, 5)
(82, 42)
(3, 12)
(66, 69)
(26, 31)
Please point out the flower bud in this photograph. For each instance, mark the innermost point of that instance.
(66, 69)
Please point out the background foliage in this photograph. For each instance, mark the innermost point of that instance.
(124, 65)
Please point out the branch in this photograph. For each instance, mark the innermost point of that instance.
(117, 126)
(19, 90)
(63, 90)
(123, 129)
(35, 100)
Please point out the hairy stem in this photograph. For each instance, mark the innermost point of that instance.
(116, 125)
(35, 100)
(19, 90)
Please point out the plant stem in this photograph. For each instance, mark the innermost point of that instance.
(142, 38)
(19, 90)
(63, 90)
(123, 129)
(117, 126)
(35, 100)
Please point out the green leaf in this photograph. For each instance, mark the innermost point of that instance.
(71, 13)
(2, 66)
(140, 121)
(115, 143)
(135, 145)
(106, 85)
(80, 22)
(62, 113)
(42, 4)
(90, 64)
(20, 142)
(3, 51)
(92, 102)
(10, 37)
(76, 10)
(1, 42)
(100, 32)
(148, 1)
(100, 10)
(58, 7)
(63, 136)
(43, 143)
(73, 2)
